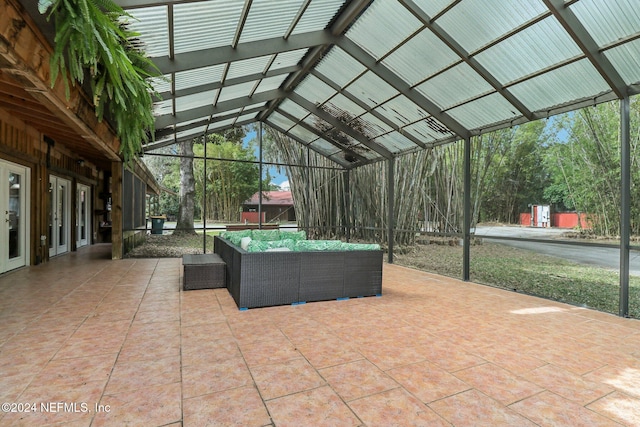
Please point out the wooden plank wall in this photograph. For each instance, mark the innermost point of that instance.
(23, 145)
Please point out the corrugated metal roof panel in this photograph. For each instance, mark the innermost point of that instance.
(194, 132)
(198, 76)
(572, 82)
(324, 146)
(161, 84)
(317, 123)
(455, 85)
(318, 15)
(269, 19)
(531, 50)
(428, 130)
(402, 111)
(235, 91)
(303, 133)
(224, 124)
(340, 104)
(288, 59)
(196, 100)
(485, 111)
(395, 142)
(163, 107)
(608, 21)
(377, 30)
(245, 117)
(248, 66)
(293, 109)
(203, 25)
(281, 121)
(270, 83)
(371, 89)
(315, 90)
(475, 24)
(151, 23)
(372, 125)
(626, 60)
(340, 67)
(421, 57)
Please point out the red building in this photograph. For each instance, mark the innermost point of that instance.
(277, 206)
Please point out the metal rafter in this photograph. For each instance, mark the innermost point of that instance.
(342, 22)
(224, 54)
(588, 45)
(466, 57)
(167, 120)
(348, 130)
(401, 86)
(176, 140)
(229, 82)
(166, 132)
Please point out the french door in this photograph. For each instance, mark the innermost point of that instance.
(14, 205)
(59, 215)
(83, 222)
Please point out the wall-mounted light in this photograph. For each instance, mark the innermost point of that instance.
(80, 162)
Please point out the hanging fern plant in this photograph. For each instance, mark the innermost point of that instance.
(92, 41)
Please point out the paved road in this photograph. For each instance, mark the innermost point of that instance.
(603, 257)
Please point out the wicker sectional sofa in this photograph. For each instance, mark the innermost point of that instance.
(260, 279)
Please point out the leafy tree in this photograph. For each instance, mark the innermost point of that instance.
(515, 176)
(585, 165)
(228, 183)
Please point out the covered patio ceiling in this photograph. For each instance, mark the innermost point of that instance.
(361, 81)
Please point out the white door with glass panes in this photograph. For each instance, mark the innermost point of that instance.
(14, 205)
(83, 229)
(59, 215)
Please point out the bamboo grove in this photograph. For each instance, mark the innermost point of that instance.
(571, 162)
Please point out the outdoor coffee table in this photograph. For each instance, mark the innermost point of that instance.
(203, 272)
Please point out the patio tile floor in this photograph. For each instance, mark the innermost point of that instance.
(87, 341)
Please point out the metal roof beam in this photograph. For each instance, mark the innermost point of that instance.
(132, 4)
(588, 45)
(343, 21)
(401, 86)
(254, 49)
(207, 111)
(155, 145)
(466, 57)
(230, 82)
(348, 130)
(168, 131)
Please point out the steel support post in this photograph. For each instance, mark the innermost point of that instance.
(466, 241)
(204, 199)
(625, 205)
(260, 180)
(390, 216)
(347, 203)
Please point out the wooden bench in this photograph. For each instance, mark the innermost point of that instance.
(203, 272)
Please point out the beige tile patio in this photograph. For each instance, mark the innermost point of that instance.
(431, 351)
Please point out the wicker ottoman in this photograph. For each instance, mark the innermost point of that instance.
(203, 272)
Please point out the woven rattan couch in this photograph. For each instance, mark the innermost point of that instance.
(260, 279)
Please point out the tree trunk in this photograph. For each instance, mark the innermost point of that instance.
(187, 190)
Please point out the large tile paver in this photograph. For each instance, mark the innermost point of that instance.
(122, 336)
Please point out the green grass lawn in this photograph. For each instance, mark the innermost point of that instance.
(528, 272)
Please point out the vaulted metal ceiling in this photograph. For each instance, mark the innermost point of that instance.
(359, 81)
